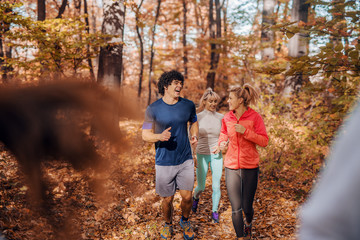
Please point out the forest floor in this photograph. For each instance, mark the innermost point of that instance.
(125, 205)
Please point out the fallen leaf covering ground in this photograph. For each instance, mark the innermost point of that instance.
(126, 206)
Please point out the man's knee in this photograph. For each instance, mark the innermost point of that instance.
(186, 196)
(187, 199)
(168, 200)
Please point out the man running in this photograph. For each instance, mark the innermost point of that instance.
(166, 124)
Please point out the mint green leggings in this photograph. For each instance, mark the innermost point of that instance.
(216, 165)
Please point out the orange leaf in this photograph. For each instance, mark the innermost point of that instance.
(331, 90)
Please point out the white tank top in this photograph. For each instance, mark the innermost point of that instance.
(209, 131)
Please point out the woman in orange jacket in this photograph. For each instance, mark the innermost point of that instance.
(242, 129)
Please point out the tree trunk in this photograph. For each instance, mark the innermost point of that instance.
(41, 7)
(152, 47)
(224, 76)
(201, 29)
(267, 35)
(2, 54)
(215, 34)
(57, 47)
(110, 59)
(62, 9)
(91, 68)
(298, 44)
(338, 15)
(185, 56)
(5, 51)
(77, 4)
(5, 54)
(141, 74)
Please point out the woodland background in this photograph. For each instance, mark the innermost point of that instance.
(303, 56)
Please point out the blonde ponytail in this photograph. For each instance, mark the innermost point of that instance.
(246, 92)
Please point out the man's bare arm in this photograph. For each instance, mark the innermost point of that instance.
(194, 133)
(148, 135)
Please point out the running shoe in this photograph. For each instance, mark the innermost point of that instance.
(215, 217)
(195, 205)
(247, 232)
(167, 231)
(188, 230)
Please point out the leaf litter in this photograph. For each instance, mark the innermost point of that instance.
(122, 203)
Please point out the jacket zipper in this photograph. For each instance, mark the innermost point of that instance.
(238, 143)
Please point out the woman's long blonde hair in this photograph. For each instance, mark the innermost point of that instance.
(209, 93)
(246, 92)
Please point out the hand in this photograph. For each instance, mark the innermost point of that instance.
(223, 145)
(240, 128)
(194, 142)
(165, 135)
(219, 148)
(216, 150)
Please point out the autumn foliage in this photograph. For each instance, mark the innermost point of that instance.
(304, 100)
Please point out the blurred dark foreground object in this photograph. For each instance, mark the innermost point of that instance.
(332, 211)
(53, 122)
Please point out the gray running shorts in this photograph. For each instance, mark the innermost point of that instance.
(171, 178)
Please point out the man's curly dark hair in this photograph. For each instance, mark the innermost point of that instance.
(166, 78)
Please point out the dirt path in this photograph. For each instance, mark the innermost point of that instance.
(275, 211)
(127, 206)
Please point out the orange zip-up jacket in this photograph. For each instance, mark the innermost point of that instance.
(242, 152)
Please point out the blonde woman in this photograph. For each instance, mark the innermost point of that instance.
(209, 130)
(243, 129)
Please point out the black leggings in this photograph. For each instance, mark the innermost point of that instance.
(241, 186)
